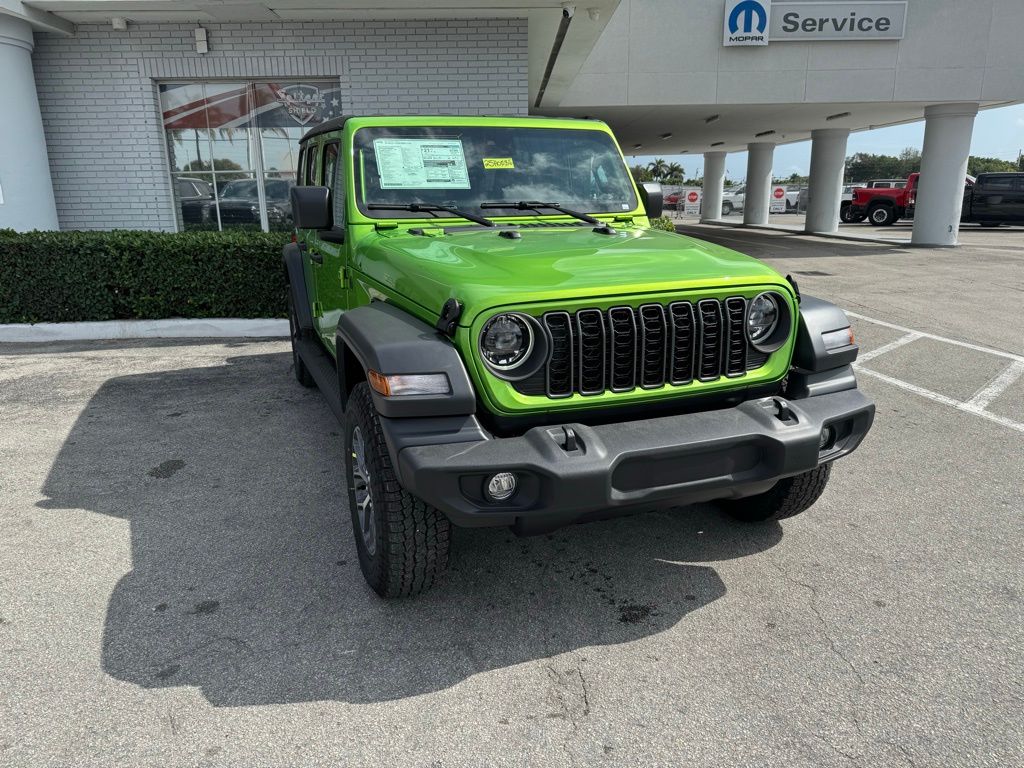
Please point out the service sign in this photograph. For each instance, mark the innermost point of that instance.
(777, 204)
(692, 204)
(759, 22)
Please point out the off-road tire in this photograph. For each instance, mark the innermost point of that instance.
(302, 374)
(787, 498)
(881, 215)
(411, 538)
(845, 213)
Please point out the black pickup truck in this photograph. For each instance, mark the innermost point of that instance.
(994, 199)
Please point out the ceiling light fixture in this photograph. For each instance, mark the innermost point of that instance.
(764, 133)
(710, 119)
(838, 116)
(665, 136)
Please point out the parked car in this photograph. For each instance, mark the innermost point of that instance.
(994, 199)
(444, 296)
(194, 198)
(883, 206)
(732, 199)
(846, 214)
(239, 205)
(886, 184)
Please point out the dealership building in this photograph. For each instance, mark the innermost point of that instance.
(175, 114)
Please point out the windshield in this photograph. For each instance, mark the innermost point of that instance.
(464, 166)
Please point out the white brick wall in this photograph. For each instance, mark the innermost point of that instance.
(100, 112)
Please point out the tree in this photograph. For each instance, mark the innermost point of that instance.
(674, 173)
(225, 168)
(863, 166)
(976, 165)
(640, 173)
(658, 168)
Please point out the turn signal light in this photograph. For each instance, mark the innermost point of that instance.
(399, 385)
(836, 339)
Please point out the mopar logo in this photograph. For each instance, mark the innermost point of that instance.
(746, 22)
(758, 22)
(744, 14)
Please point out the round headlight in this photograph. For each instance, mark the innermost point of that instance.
(505, 341)
(762, 317)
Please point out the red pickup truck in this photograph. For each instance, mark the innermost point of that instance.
(885, 206)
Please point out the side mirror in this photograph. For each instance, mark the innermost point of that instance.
(652, 198)
(311, 207)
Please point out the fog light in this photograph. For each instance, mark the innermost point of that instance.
(825, 441)
(501, 486)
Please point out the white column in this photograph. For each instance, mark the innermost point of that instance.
(940, 189)
(24, 168)
(714, 181)
(825, 187)
(759, 182)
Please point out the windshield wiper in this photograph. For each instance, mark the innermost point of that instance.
(534, 205)
(417, 208)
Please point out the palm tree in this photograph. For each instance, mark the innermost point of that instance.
(675, 171)
(658, 168)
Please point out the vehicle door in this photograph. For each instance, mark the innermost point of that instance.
(311, 259)
(1015, 211)
(330, 246)
(993, 197)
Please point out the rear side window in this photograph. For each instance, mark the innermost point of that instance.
(998, 183)
(309, 167)
(331, 178)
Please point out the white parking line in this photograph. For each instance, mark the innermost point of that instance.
(998, 385)
(978, 402)
(888, 347)
(925, 335)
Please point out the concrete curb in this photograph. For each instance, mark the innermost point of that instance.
(175, 328)
(792, 231)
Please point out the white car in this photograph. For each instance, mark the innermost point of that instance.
(732, 199)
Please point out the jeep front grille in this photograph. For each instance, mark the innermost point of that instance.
(623, 348)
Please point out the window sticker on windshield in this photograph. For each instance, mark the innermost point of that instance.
(421, 164)
(492, 163)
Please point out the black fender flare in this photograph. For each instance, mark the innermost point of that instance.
(816, 370)
(291, 255)
(384, 338)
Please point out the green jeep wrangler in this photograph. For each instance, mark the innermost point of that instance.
(508, 342)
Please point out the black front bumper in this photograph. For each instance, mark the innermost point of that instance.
(684, 459)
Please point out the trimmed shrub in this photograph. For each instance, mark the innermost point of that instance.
(122, 275)
(663, 222)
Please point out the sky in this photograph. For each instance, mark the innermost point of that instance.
(997, 133)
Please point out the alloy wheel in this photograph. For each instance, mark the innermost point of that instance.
(364, 498)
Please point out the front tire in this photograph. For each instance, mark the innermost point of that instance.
(882, 216)
(726, 209)
(402, 541)
(787, 498)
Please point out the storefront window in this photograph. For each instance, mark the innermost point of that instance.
(234, 148)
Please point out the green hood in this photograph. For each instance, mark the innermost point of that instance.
(484, 270)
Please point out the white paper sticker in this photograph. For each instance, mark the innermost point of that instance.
(421, 164)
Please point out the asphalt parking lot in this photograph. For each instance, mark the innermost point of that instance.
(178, 581)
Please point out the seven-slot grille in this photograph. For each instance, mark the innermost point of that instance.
(623, 348)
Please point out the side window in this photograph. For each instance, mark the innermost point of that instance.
(300, 169)
(309, 173)
(329, 178)
(998, 183)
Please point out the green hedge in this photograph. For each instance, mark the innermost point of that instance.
(68, 276)
(663, 222)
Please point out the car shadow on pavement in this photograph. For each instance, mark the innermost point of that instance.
(244, 579)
